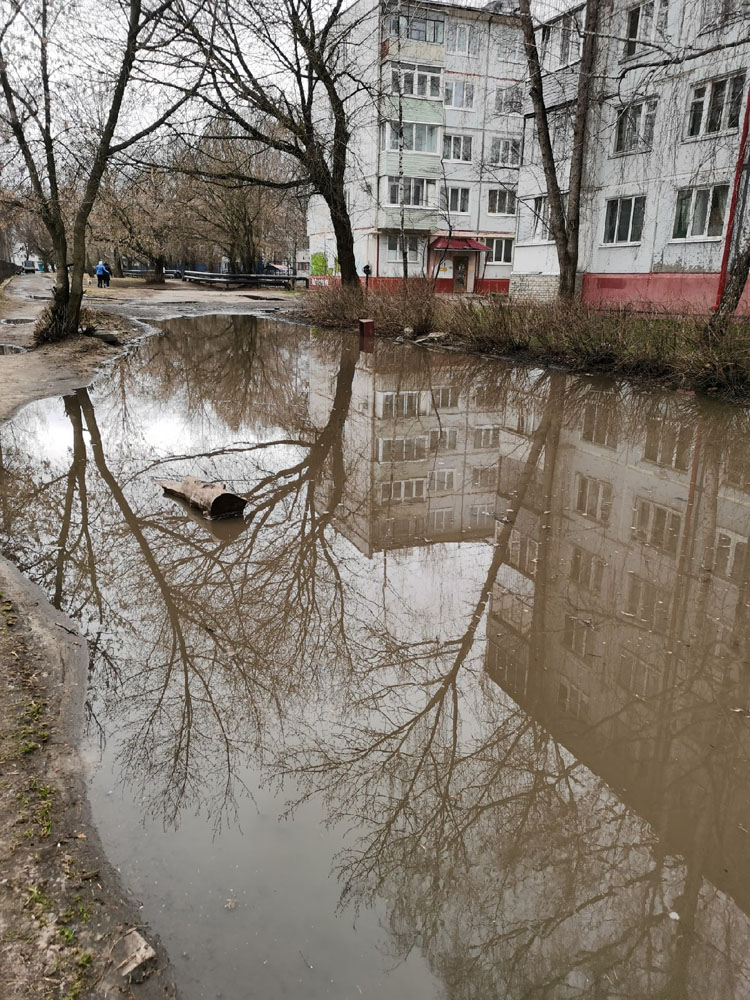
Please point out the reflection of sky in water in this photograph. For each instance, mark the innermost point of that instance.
(508, 866)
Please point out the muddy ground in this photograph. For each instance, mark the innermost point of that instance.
(64, 911)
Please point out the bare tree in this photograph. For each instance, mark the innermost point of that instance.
(564, 214)
(285, 83)
(67, 104)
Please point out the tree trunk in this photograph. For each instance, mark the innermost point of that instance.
(718, 325)
(159, 271)
(567, 287)
(212, 498)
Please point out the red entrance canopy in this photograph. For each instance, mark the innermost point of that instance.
(459, 243)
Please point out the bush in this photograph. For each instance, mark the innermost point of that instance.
(620, 341)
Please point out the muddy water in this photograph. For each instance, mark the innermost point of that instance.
(459, 709)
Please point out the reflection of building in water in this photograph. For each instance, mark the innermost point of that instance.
(421, 447)
(620, 622)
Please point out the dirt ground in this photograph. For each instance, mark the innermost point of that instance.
(64, 912)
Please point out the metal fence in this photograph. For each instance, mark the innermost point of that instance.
(7, 269)
(247, 280)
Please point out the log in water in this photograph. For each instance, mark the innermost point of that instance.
(213, 499)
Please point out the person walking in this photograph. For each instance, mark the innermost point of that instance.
(101, 274)
(107, 275)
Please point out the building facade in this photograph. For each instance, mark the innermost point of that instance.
(436, 145)
(663, 138)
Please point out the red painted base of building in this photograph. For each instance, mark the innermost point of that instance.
(482, 286)
(657, 291)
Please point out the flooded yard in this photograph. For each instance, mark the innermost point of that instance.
(460, 708)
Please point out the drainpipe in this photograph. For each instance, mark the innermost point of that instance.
(733, 204)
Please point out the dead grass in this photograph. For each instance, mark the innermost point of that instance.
(621, 342)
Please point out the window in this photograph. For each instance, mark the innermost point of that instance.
(737, 467)
(572, 700)
(486, 437)
(715, 106)
(401, 529)
(540, 223)
(503, 663)
(419, 29)
(402, 490)
(510, 47)
(506, 152)
(416, 81)
(416, 191)
(730, 555)
(509, 100)
(401, 449)
(484, 477)
(441, 480)
(420, 138)
(647, 603)
(578, 635)
(586, 570)
(524, 418)
(599, 425)
(501, 201)
(440, 520)
(656, 526)
(699, 212)
(635, 127)
(457, 147)
(456, 199)
(668, 444)
(481, 516)
(570, 40)
(716, 12)
(444, 440)
(395, 249)
(459, 94)
(523, 553)
(637, 676)
(502, 251)
(641, 29)
(462, 39)
(445, 397)
(623, 221)
(401, 404)
(593, 498)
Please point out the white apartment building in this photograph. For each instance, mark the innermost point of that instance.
(443, 184)
(670, 88)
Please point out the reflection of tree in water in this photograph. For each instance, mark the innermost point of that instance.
(503, 859)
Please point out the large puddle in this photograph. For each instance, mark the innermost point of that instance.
(460, 709)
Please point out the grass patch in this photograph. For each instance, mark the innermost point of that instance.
(620, 342)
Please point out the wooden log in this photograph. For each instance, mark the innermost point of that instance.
(214, 499)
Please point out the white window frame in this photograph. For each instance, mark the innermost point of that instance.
(505, 151)
(416, 444)
(412, 132)
(442, 481)
(697, 122)
(510, 46)
(650, 25)
(407, 189)
(458, 89)
(402, 491)
(631, 202)
(505, 244)
(656, 526)
(540, 230)
(441, 401)
(443, 440)
(457, 143)
(593, 498)
(441, 519)
(462, 39)
(501, 196)
(699, 206)
(414, 248)
(460, 195)
(484, 477)
(634, 128)
(414, 77)
(586, 569)
(487, 436)
(509, 99)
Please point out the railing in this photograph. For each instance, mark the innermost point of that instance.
(251, 280)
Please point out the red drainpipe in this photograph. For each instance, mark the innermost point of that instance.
(733, 204)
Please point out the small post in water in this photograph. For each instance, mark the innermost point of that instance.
(367, 335)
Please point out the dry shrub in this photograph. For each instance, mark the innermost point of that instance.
(620, 341)
(50, 326)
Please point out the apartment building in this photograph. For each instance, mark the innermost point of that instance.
(621, 621)
(663, 141)
(436, 144)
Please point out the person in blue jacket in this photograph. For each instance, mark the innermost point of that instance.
(101, 274)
